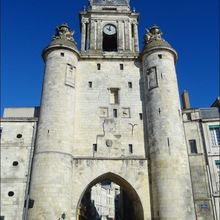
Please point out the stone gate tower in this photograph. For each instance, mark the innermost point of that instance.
(109, 112)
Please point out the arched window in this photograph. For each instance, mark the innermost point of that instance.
(110, 38)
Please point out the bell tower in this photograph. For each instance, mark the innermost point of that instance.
(109, 26)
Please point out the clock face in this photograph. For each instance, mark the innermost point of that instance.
(109, 29)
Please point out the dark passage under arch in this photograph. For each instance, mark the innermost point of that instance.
(130, 207)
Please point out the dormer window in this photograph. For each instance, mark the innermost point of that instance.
(110, 38)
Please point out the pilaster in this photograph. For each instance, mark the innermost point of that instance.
(136, 43)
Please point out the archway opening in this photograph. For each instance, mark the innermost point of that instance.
(110, 43)
(109, 197)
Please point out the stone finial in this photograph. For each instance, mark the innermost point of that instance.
(154, 33)
(64, 32)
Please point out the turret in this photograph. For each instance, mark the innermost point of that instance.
(52, 165)
(169, 167)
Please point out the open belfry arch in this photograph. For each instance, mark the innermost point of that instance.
(109, 26)
(109, 112)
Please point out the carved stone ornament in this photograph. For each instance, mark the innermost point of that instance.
(153, 34)
(108, 143)
(64, 32)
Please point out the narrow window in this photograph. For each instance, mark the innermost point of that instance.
(121, 66)
(217, 163)
(95, 147)
(115, 113)
(130, 85)
(15, 163)
(132, 30)
(168, 142)
(160, 56)
(114, 96)
(19, 135)
(98, 66)
(193, 147)
(62, 54)
(31, 203)
(2, 217)
(90, 84)
(130, 148)
(215, 134)
(11, 193)
(1, 129)
(141, 116)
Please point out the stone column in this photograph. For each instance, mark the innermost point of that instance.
(120, 36)
(129, 36)
(92, 35)
(83, 37)
(136, 43)
(99, 35)
(87, 36)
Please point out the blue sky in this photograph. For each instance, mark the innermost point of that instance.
(190, 26)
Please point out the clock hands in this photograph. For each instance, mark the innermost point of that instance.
(109, 29)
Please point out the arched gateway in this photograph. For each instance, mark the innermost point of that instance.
(132, 209)
(130, 175)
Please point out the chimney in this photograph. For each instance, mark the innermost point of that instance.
(185, 100)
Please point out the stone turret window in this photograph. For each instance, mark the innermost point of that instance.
(15, 163)
(90, 84)
(141, 116)
(95, 147)
(121, 66)
(115, 113)
(11, 193)
(98, 66)
(62, 54)
(1, 129)
(19, 135)
(130, 148)
(130, 85)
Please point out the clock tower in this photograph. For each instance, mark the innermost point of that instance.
(110, 113)
(109, 27)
